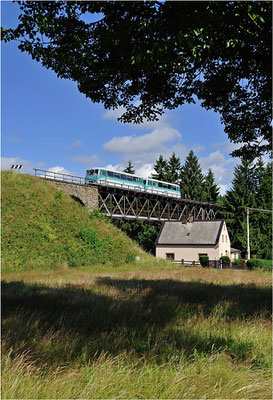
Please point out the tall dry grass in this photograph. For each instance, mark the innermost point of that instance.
(164, 332)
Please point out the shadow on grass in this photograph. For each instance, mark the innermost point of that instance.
(242, 300)
(61, 325)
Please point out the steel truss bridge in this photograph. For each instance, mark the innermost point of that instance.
(121, 203)
(136, 204)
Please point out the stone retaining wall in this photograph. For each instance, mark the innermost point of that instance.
(89, 196)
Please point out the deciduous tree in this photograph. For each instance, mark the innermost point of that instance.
(163, 54)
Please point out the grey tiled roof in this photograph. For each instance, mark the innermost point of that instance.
(196, 232)
(233, 250)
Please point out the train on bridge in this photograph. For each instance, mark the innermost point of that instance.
(125, 180)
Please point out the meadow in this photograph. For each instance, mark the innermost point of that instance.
(139, 330)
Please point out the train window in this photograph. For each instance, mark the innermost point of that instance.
(144, 181)
(124, 177)
(110, 173)
(135, 179)
(129, 178)
(150, 183)
(159, 184)
(116, 175)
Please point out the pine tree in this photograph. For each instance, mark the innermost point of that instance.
(211, 190)
(129, 169)
(262, 222)
(240, 196)
(173, 169)
(191, 178)
(161, 169)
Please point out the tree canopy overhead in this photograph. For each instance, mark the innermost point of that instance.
(148, 56)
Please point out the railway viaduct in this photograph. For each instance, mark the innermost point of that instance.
(116, 202)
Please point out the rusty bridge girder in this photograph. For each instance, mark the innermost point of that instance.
(145, 206)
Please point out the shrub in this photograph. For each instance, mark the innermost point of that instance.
(204, 261)
(225, 259)
(255, 263)
(237, 262)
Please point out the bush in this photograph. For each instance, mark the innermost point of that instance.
(237, 262)
(225, 259)
(255, 263)
(204, 261)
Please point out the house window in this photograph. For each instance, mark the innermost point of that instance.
(222, 238)
(170, 256)
(226, 238)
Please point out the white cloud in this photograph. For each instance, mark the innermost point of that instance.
(90, 160)
(114, 114)
(77, 143)
(222, 168)
(149, 142)
(59, 170)
(7, 162)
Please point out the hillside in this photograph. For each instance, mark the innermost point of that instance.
(44, 228)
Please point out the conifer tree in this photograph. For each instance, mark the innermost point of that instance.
(173, 169)
(262, 222)
(240, 196)
(129, 169)
(161, 169)
(191, 178)
(211, 190)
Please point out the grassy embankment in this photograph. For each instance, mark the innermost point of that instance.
(141, 330)
(44, 228)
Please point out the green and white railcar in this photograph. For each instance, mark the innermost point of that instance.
(160, 187)
(108, 177)
(114, 178)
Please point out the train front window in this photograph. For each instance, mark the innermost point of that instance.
(92, 172)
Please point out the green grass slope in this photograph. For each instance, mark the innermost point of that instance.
(43, 227)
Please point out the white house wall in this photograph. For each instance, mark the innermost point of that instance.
(224, 242)
(188, 253)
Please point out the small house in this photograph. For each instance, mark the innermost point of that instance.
(234, 254)
(189, 240)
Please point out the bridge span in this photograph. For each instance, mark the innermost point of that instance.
(127, 202)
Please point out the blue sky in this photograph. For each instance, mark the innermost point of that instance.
(47, 123)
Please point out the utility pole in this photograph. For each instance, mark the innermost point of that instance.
(247, 232)
(247, 225)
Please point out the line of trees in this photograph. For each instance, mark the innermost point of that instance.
(193, 184)
(251, 187)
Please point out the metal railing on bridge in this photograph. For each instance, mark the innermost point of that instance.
(58, 176)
